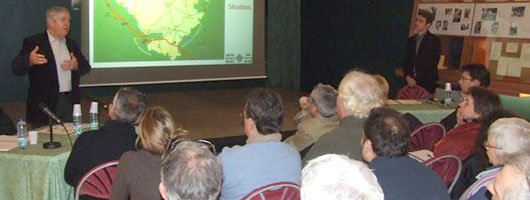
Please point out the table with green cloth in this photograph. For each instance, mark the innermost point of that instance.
(426, 111)
(36, 173)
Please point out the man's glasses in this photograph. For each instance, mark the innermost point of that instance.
(486, 145)
(172, 143)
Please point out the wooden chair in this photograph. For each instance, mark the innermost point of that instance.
(275, 191)
(97, 182)
(425, 136)
(413, 92)
(448, 167)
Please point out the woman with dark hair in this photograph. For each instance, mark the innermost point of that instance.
(460, 140)
(478, 161)
(138, 174)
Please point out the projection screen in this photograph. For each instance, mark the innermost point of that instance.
(130, 42)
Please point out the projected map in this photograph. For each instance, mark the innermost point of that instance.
(158, 30)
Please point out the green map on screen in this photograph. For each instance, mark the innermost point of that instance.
(158, 30)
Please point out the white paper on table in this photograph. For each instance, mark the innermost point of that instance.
(8, 138)
(496, 49)
(391, 102)
(408, 101)
(502, 66)
(514, 67)
(525, 55)
(512, 47)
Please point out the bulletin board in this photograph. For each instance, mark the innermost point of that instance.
(498, 36)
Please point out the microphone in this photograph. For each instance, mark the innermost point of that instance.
(48, 112)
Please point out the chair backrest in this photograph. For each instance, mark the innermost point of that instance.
(448, 167)
(425, 136)
(413, 92)
(97, 182)
(275, 191)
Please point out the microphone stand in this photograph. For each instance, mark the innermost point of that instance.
(51, 144)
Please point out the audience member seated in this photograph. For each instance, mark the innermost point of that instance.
(513, 182)
(138, 174)
(337, 177)
(473, 75)
(321, 117)
(264, 159)
(111, 140)
(385, 146)
(358, 94)
(383, 83)
(189, 170)
(460, 140)
(507, 138)
(478, 161)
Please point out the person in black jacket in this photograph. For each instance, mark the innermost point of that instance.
(111, 140)
(54, 64)
(423, 53)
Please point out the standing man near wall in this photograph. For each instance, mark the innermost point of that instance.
(54, 64)
(423, 53)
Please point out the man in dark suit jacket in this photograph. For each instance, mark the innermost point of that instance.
(54, 64)
(423, 53)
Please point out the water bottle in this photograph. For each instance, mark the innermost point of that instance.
(94, 122)
(22, 134)
(448, 99)
(78, 126)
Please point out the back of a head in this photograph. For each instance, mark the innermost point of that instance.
(478, 72)
(511, 136)
(324, 97)
(484, 101)
(520, 187)
(388, 132)
(360, 93)
(190, 171)
(383, 83)
(156, 127)
(337, 177)
(129, 104)
(265, 108)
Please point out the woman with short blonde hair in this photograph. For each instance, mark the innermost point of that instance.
(138, 174)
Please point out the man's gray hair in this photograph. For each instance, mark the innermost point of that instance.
(521, 165)
(324, 97)
(190, 171)
(129, 104)
(360, 93)
(511, 136)
(52, 12)
(338, 177)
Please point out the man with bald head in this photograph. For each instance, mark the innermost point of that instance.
(54, 64)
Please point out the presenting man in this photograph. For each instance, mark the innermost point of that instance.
(423, 53)
(54, 65)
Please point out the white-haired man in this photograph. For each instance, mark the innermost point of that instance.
(358, 94)
(318, 116)
(512, 183)
(337, 177)
(54, 64)
(507, 139)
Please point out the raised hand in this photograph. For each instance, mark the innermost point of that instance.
(71, 64)
(36, 58)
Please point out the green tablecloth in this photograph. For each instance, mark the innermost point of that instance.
(36, 173)
(425, 112)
